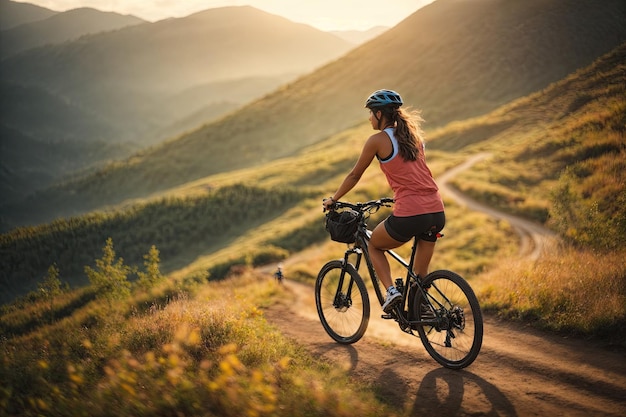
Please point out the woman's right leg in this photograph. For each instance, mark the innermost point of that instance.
(423, 255)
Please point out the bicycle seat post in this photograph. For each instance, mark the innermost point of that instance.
(412, 274)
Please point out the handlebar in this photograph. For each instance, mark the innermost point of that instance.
(363, 207)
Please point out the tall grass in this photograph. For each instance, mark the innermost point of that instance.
(569, 290)
(211, 354)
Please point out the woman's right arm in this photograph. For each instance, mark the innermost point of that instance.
(365, 159)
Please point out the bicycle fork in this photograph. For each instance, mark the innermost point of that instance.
(343, 300)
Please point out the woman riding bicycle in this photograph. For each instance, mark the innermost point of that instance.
(418, 209)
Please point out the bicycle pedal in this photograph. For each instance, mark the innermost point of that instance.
(407, 329)
(386, 316)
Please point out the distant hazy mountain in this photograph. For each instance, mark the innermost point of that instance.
(25, 161)
(123, 76)
(61, 27)
(226, 97)
(360, 36)
(14, 14)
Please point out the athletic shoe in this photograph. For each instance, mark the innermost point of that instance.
(393, 298)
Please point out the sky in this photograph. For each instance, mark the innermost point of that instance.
(322, 14)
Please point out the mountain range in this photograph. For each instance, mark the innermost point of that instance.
(454, 59)
(124, 76)
(61, 27)
(124, 88)
(15, 14)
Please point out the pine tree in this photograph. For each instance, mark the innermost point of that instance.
(153, 273)
(50, 288)
(110, 278)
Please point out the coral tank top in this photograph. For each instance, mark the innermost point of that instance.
(414, 189)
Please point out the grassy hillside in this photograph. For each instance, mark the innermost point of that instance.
(559, 157)
(183, 228)
(206, 351)
(456, 59)
(559, 154)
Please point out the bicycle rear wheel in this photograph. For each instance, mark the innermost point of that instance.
(456, 339)
(342, 302)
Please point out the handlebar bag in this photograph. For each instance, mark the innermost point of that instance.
(343, 225)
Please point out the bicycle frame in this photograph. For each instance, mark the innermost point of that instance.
(361, 250)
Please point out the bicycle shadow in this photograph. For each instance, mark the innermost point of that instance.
(444, 389)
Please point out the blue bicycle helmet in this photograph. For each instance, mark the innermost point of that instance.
(381, 98)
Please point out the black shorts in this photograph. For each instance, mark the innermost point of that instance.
(424, 226)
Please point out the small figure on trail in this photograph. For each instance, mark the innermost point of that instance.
(279, 274)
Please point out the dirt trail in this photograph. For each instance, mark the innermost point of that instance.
(534, 238)
(519, 372)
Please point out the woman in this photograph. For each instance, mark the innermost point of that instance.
(418, 209)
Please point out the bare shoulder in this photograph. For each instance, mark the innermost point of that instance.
(379, 143)
(380, 135)
(378, 138)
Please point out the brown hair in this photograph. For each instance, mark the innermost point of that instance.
(407, 130)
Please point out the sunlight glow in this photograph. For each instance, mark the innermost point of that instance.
(322, 14)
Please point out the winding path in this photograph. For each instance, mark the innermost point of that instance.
(534, 238)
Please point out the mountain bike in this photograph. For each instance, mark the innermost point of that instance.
(441, 307)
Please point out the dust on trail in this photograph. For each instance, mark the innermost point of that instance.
(519, 371)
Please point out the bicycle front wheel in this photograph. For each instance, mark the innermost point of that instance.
(456, 338)
(342, 302)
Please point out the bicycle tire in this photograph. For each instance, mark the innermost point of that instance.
(345, 319)
(457, 338)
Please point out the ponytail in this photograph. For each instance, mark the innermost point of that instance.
(407, 131)
(409, 134)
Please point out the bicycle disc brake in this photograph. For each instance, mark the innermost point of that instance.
(456, 319)
(342, 302)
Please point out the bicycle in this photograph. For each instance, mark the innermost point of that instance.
(441, 307)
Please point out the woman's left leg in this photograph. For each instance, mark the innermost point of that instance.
(379, 243)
